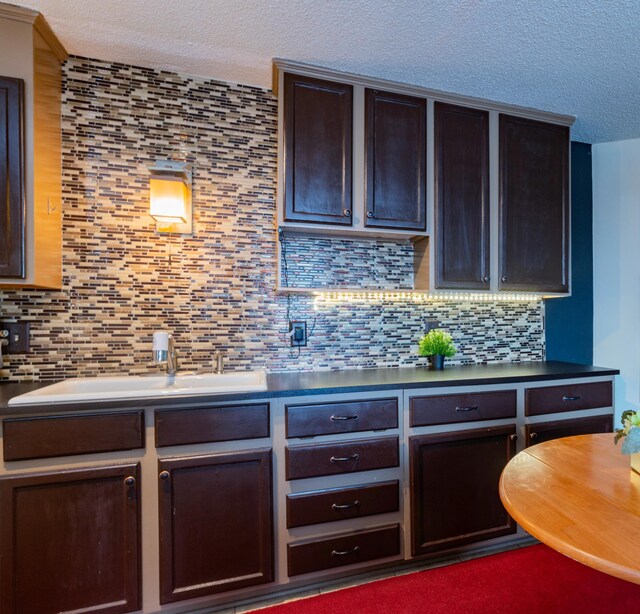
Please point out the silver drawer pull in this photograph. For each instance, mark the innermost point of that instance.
(345, 506)
(576, 398)
(344, 459)
(345, 552)
(336, 418)
(471, 408)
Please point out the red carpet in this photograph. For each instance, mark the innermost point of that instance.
(532, 580)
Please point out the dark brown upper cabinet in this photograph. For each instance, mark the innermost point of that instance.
(395, 160)
(462, 197)
(534, 205)
(318, 118)
(12, 190)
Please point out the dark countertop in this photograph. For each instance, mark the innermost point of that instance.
(328, 382)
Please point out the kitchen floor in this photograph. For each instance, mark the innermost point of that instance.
(257, 604)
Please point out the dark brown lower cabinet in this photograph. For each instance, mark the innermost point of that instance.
(454, 487)
(70, 541)
(216, 527)
(544, 431)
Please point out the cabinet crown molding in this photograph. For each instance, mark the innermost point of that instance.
(320, 72)
(37, 20)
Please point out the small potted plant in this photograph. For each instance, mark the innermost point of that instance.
(630, 431)
(437, 344)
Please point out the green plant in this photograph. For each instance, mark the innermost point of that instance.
(436, 341)
(630, 431)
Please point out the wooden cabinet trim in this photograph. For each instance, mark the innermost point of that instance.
(71, 435)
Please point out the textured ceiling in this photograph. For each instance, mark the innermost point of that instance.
(578, 57)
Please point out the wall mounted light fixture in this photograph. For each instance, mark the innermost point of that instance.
(170, 197)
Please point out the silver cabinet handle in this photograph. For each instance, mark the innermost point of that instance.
(337, 418)
(344, 459)
(345, 552)
(345, 506)
(576, 398)
(470, 408)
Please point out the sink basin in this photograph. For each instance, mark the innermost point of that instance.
(143, 386)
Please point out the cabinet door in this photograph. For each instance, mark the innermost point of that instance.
(12, 195)
(544, 431)
(454, 487)
(534, 205)
(317, 150)
(395, 166)
(462, 197)
(216, 529)
(70, 541)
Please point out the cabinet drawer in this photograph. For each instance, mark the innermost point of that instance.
(69, 435)
(344, 457)
(341, 503)
(348, 417)
(568, 397)
(449, 408)
(176, 427)
(346, 550)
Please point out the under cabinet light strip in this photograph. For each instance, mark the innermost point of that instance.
(422, 297)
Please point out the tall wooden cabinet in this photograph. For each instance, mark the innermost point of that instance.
(534, 205)
(70, 541)
(317, 152)
(12, 196)
(395, 160)
(31, 225)
(461, 198)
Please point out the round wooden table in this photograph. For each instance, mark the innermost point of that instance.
(579, 496)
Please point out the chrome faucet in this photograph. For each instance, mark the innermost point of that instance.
(218, 362)
(164, 352)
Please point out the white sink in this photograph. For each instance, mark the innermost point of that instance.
(142, 386)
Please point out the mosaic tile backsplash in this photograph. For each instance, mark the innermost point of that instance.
(214, 289)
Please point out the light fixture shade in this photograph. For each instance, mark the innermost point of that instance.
(168, 197)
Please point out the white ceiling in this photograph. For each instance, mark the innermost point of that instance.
(578, 57)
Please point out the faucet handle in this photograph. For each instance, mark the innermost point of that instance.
(218, 362)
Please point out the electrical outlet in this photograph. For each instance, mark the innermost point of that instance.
(430, 324)
(18, 338)
(298, 331)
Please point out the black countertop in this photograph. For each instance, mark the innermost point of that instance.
(328, 382)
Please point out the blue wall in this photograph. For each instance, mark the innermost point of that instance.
(569, 321)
